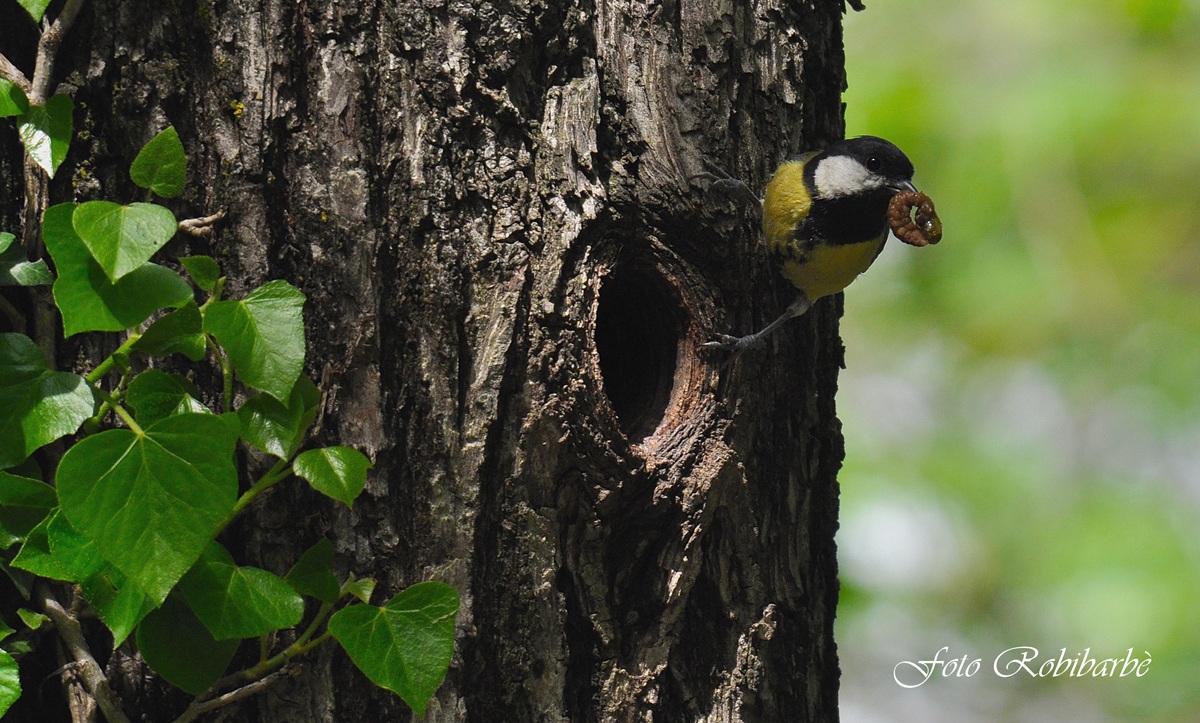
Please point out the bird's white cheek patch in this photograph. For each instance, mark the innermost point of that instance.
(843, 176)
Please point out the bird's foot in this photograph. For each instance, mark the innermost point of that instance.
(735, 345)
(722, 185)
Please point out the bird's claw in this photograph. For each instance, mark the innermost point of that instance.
(723, 185)
(733, 344)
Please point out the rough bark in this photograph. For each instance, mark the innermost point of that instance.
(509, 274)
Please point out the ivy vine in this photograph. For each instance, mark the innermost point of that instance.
(149, 476)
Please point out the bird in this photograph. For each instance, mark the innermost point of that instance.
(825, 220)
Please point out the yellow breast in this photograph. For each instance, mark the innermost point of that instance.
(785, 204)
(829, 269)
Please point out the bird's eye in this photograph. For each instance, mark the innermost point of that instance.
(874, 164)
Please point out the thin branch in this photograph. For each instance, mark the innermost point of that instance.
(201, 227)
(89, 670)
(52, 38)
(13, 74)
(198, 709)
(15, 317)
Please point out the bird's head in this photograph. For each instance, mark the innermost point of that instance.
(866, 165)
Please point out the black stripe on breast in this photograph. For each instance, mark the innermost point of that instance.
(846, 220)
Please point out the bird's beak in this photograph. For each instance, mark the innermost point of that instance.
(904, 186)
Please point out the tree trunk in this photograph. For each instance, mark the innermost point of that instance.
(509, 274)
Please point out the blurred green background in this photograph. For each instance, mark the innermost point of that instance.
(1022, 402)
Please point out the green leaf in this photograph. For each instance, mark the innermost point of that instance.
(16, 270)
(10, 682)
(37, 406)
(340, 472)
(161, 166)
(46, 130)
(122, 238)
(313, 573)
(12, 99)
(35, 8)
(278, 429)
(404, 646)
(179, 331)
(88, 300)
(24, 503)
(238, 602)
(156, 395)
(203, 270)
(361, 589)
(152, 502)
(178, 647)
(119, 602)
(5, 631)
(36, 556)
(57, 551)
(263, 335)
(33, 620)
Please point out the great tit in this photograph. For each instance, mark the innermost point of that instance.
(825, 220)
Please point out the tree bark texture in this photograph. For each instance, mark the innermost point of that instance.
(509, 272)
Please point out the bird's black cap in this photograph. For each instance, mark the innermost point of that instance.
(877, 154)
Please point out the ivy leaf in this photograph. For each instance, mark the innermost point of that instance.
(37, 406)
(88, 300)
(313, 573)
(74, 560)
(404, 646)
(15, 270)
(12, 99)
(24, 503)
(35, 8)
(45, 131)
(56, 550)
(155, 395)
(178, 647)
(278, 429)
(180, 331)
(340, 472)
(122, 238)
(161, 166)
(33, 620)
(263, 335)
(35, 555)
(203, 270)
(238, 602)
(10, 682)
(119, 602)
(152, 502)
(361, 589)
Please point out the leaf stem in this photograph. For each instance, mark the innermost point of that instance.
(273, 476)
(252, 675)
(215, 295)
(291, 651)
(113, 404)
(92, 423)
(322, 613)
(226, 373)
(110, 362)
